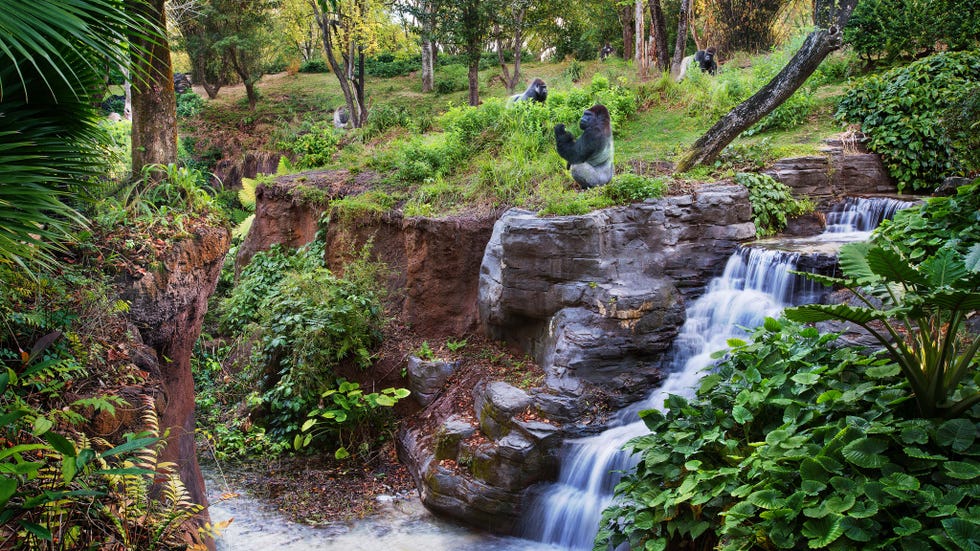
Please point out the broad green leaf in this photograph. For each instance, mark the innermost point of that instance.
(741, 415)
(811, 313)
(964, 533)
(891, 266)
(854, 263)
(918, 453)
(132, 445)
(962, 470)
(944, 268)
(68, 469)
(20, 448)
(61, 444)
(806, 378)
(41, 426)
(772, 325)
(822, 532)
(908, 526)
(36, 529)
(866, 452)
(829, 396)
(306, 425)
(341, 453)
(765, 499)
(883, 371)
(958, 434)
(7, 488)
(972, 261)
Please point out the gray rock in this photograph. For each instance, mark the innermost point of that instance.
(495, 405)
(427, 377)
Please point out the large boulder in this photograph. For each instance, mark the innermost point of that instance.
(597, 299)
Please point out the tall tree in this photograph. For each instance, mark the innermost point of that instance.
(466, 24)
(347, 27)
(199, 32)
(424, 15)
(245, 38)
(680, 46)
(512, 22)
(830, 17)
(154, 130)
(658, 29)
(627, 18)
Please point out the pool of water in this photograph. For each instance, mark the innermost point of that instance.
(401, 524)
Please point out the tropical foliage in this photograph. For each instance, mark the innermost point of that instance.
(795, 442)
(904, 112)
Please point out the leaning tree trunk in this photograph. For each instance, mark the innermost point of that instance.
(816, 47)
(154, 132)
(658, 28)
(681, 45)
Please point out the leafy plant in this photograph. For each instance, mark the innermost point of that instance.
(772, 202)
(424, 352)
(901, 111)
(189, 104)
(794, 442)
(630, 188)
(349, 416)
(455, 345)
(315, 146)
(917, 313)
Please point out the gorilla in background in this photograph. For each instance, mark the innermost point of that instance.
(590, 158)
(341, 118)
(705, 60)
(536, 91)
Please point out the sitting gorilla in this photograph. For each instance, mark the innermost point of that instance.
(536, 91)
(706, 60)
(341, 118)
(591, 156)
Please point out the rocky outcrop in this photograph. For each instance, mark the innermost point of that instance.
(167, 307)
(597, 299)
(427, 377)
(476, 469)
(433, 263)
(846, 168)
(231, 171)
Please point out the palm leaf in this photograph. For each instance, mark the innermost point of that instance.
(890, 265)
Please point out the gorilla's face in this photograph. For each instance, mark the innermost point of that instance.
(541, 90)
(588, 120)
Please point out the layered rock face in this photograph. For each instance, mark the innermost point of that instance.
(847, 168)
(597, 299)
(167, 306)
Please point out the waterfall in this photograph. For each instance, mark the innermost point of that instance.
(861, 214)
(755, 283)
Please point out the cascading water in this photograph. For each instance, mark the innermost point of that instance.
(756, 283)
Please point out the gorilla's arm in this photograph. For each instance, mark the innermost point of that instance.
(565, 143)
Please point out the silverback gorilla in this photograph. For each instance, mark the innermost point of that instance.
(706, 60)
(536, 91)
(591, 156)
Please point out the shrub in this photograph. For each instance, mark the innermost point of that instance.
(189, 104)
(791, 113)
(901, 111)
(772, 202)
(794, 443)
(384, 116)
(630, 188)
(314, 66)
(452, 78)
(896, 29)
(315, 146)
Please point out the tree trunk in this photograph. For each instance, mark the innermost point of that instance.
(474, 79)
(359, 88)
(658, 28)
(681, 45)
(816, 47)
(626, 20)
(428, 75)
(326, 34)
(154, 131)
(639, 49)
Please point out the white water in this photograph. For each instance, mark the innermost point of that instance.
(756, 283)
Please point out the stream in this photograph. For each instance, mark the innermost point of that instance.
(402, 524)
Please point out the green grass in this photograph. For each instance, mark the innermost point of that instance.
(495, 169)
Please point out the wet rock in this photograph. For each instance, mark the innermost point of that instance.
(496, 404)
(427, 377)
(950, 185)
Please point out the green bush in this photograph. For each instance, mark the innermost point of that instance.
(390, 65)
(793, 443)
(772, 202)
(902, 112)
(451, 78)
(630, 188)
(314, 66)
(189, 104)
(315, 146)
(898, 29)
